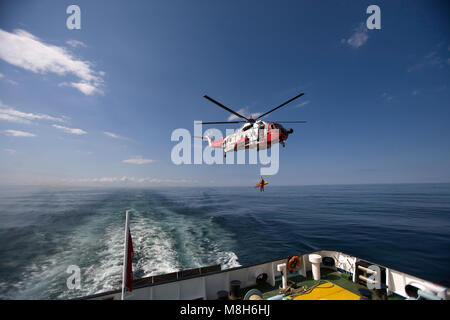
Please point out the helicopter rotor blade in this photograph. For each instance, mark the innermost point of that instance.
(219, 122)
(281, 105)
(224, 107)
(289, 121)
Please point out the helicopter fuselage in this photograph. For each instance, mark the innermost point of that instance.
(260, 134)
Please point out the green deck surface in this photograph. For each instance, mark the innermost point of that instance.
(335, 277)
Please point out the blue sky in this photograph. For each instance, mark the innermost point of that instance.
(97, 106)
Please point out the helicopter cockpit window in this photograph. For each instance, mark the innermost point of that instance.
(261, 126)
(246, 128)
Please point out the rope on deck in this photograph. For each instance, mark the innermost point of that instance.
(295, 292)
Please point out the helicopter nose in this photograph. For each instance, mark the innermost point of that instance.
(290, 131)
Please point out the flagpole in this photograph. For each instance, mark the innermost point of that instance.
(125, 254)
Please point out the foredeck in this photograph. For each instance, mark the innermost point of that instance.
(333, 285)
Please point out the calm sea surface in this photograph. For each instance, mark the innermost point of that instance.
(44, 230)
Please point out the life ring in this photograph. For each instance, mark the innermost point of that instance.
(294, 263)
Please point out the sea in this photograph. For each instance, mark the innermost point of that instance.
(45, 231)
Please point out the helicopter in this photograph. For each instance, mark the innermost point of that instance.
(253, 133)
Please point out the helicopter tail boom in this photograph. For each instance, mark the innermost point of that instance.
(206, 138)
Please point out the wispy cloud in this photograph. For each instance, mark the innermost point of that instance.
(2, 77)
(26, 51)
(441, 88)
(69, 130)
(436, 58)
(84, 152)
(17, 133)
(85, 87)
(15, 83)
(430, 60)
(245, 113)
(145, 180)
(10, 114)
(75, 43)
(115, 135)
(304, 103)
(138, 160)
(10, 151)
(112, 135)
(386, 96)
(358, 38)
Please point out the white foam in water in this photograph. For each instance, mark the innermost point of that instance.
(155, 248)
(228, 260)
(162, 253)
(161, 246)
(164, 241)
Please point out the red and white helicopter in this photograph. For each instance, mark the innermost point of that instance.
(253, 133)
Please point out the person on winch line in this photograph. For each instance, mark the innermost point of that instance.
(261, 182)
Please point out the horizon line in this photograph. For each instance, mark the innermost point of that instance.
(214, 186)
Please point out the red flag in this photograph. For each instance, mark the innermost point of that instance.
(129, 282)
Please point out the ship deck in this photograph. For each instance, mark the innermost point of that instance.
(333, 285)
(211, 283)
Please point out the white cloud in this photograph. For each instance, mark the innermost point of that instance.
(387, 96)
(145, 180)
(85, 87)
(116, 136)
(8, 117)
(13, 115)
(17, 133)
(12, 82)
(304, 103)
(84, 152)
(432, 59)
(245, 113)
(75, 43)
(358, 38)
(112, 135)
(138, 160)
(69, 130)
(2, 76)
(24, 50)
(10, 151)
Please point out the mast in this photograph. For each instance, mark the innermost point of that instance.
(125, 254)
